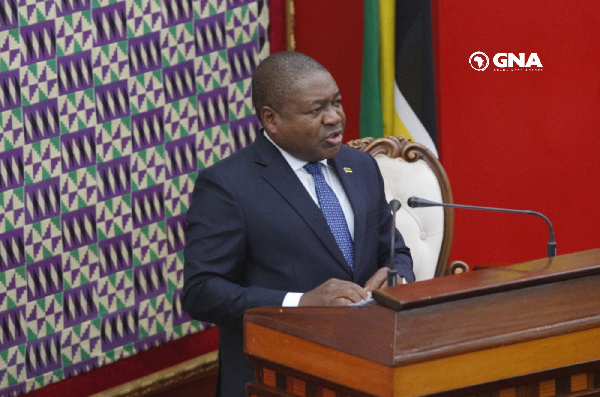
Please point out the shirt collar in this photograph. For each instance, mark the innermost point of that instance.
(294, 162)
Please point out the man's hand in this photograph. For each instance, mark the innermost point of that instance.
(379, 280)
(334, 292)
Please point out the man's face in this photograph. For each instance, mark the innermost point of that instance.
(310, 125)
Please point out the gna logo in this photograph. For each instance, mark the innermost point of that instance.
(506, 61)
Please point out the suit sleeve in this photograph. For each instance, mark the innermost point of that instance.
(215, 257)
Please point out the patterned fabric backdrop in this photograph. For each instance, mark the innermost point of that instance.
(108, 108)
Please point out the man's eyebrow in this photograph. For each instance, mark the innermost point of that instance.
(336, 96)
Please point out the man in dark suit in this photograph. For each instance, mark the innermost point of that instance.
(256, 234)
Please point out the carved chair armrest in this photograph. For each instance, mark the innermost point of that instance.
(457, 267)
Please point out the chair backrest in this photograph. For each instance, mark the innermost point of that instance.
(410, 169)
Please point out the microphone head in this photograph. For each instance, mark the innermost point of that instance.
(413, 202)
(395, 204)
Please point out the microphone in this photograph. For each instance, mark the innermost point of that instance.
(391, 276)
(416, 202)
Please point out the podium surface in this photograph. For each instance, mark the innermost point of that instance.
(526, 329)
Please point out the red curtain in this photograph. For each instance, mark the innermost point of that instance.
(277, 25)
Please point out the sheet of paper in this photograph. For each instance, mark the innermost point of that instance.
(366, 302)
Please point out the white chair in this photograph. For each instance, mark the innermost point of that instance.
(410, 169)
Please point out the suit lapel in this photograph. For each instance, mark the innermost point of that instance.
(282, 178)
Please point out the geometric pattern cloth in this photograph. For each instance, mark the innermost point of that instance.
(332, 210)
(108, 109)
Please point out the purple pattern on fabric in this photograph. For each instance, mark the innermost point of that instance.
(79, 228)
(38, 42)
(181, 156)
(148, 206)
(115, 178)
(116, 254)
(144, 54)
(17, 334)
(43, 355)
(110, 24)
(41, 121)
(148, 129)
(119, 328)
(78, 149)
(10, 90)
(80, 304)
(209, 34)
(42, 200)
(179, 81)
(149, 280)
(75, 72)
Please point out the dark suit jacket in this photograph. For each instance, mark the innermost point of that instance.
(255, 234)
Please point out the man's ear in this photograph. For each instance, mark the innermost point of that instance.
(269, 118)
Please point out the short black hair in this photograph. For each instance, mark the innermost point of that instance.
(274, 79)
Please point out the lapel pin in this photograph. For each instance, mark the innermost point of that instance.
(347, 170)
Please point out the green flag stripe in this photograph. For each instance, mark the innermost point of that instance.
(371, 123)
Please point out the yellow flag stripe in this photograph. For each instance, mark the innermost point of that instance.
(400, 128)
(387, 72)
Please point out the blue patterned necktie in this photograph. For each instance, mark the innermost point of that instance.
(331, 208)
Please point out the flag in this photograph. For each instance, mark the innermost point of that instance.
(403, 52)
(370, 92)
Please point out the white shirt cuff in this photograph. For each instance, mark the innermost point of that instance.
(292, 299)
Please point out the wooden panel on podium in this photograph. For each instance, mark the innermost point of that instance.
(525, 329)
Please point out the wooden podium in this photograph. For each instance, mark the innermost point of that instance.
(530, 329)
